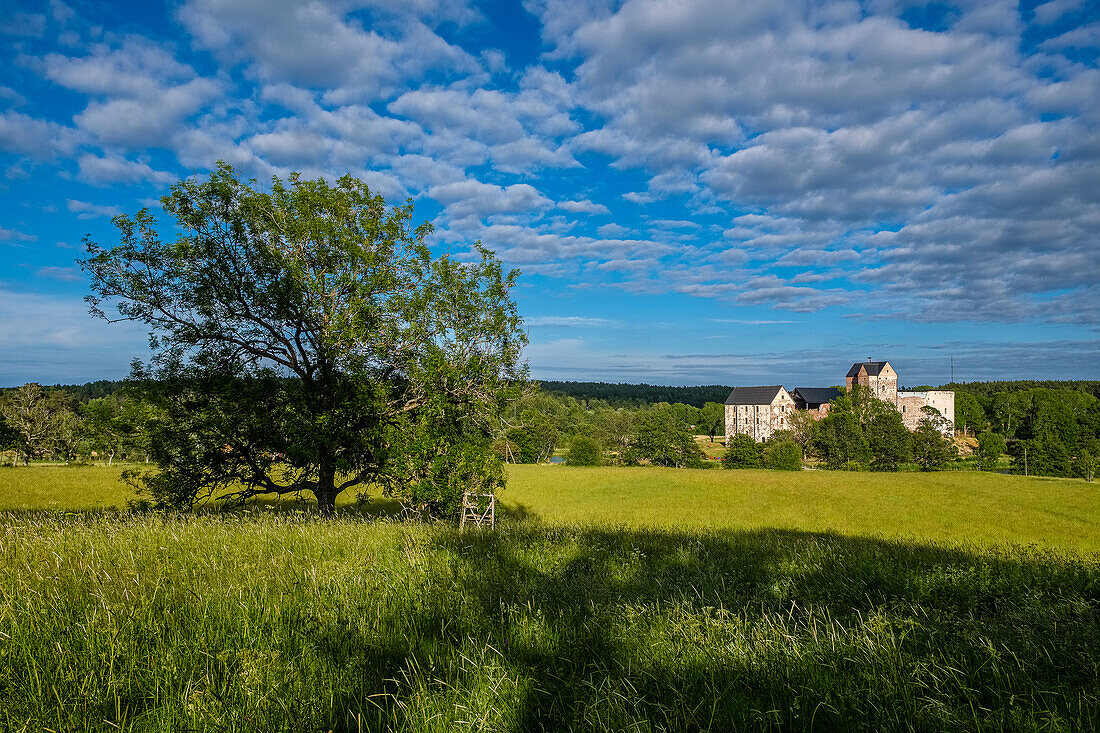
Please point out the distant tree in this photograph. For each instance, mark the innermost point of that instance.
(31, 414)
(970, 417)
(614, 428)
(9, 438)
(302, 331)
(804, 428)
(712, 419)
(931, 450)
(742, 452)
(991, 446)
(584, 451)
(661, 438)
(840, 441)
(1043, 455)
(783, 455)
(67, 433)
(781, 435)
(1086, 465)
(535, 439)
(888, 441)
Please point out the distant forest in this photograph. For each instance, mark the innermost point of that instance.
(636, 395)
(622, 394)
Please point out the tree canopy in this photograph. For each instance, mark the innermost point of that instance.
(305, 339)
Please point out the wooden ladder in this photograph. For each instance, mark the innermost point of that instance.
(473, 511)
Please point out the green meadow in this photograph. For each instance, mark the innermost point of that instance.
(607, 599)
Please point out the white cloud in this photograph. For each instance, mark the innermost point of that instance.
(116, 169)
(322, 45)
(85, 210)
(36, 138)
(14, 235)
(570, 322)
(143, 93)
(66, 274)
(583, 206)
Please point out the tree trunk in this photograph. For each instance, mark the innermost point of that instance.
(111, 460)
(326, 490)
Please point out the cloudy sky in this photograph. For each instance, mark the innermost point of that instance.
(695, 191)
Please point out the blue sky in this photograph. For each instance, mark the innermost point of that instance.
(696, 192)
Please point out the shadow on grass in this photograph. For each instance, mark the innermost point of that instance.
(547, 627)
(608, 629)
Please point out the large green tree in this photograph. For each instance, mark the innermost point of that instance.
(38, 421)
(306, 340)
(661, 438)
(888, 441)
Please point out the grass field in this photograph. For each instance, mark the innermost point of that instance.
(647, 600)
(947, 507)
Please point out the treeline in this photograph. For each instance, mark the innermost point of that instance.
(637, 395)
(1047, 431)
(596, 432)
(39, 423)
(988, 389)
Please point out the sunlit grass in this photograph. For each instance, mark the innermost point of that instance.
(948, 507)
(260, 621)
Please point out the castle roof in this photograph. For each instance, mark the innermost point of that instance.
(816, 395)
(753, 395)
(873, 368)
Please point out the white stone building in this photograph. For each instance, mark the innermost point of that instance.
(758, 411)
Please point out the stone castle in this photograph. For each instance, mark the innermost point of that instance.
(760, 411)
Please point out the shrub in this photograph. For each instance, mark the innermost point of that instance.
(742, 452)
(584, 451)
(783, 455)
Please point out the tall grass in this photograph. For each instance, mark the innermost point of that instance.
(283, 622)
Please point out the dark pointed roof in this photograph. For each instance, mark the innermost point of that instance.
(815, 395)
(753, 395)
(873, 368)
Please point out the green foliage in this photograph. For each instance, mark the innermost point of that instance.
(661, 438)
(970, 414)
(931, 450)
(1087, 463)
(40, 422)
(299, 333)
(742, 452)
(839, 439)
(991, 446)
(783, 455)
(614, 428)
(584, 451)
(888, 441)
(636, 395)
(712, 419)
(538, 422)
(804, 429)
(1043, 455)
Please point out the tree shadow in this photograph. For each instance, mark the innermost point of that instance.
(726, 630)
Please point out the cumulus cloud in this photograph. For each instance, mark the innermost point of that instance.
(863, 137)
(86, 210)
(325, 45)
(116, 169)
(141, 93)
(583, 206)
